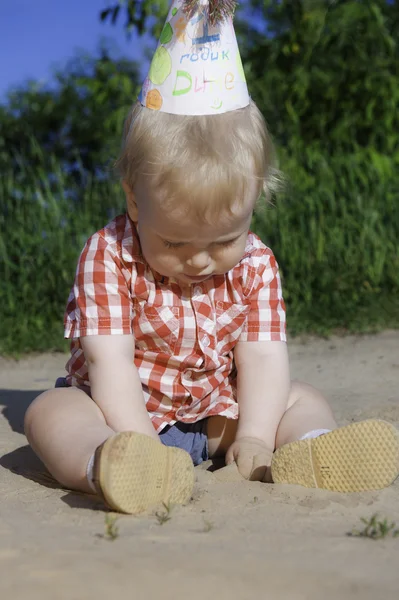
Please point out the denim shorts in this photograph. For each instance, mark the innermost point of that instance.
(191, 437)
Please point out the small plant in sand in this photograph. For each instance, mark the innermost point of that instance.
(208, 525)
(376, 529)
(111, 529)
(165, 515)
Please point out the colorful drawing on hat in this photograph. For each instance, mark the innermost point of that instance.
(217, 105)
(180, 28)
(240, 68)
(205, 38)
(161, 66)
(205, 54)
(224, 82)
(154, 100)
(167, 34)
(196, 68)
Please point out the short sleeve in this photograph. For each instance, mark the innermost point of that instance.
(266, 319)
(100, 300)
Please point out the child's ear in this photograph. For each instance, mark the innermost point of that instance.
(130, 201)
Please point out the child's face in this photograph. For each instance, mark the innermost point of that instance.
(175, 246)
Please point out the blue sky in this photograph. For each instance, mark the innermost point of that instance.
(38, 34)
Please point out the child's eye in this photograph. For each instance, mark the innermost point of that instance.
(173, 245)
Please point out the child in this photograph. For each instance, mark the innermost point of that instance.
(176, 315)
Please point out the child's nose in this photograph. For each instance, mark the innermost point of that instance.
(199, 260)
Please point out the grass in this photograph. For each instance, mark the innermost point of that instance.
(111, 530)
(164, 516)
(208, 526)
(376, 528)
(334, 231)
(42, 231)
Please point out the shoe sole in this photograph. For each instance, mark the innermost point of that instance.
(135, 473)
(359, 457)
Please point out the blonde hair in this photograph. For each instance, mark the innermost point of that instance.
(203, 164)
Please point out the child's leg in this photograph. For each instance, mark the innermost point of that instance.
(307, 411)
(132, 471)
(64, 427)
(360, 456)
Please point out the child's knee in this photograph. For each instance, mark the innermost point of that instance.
(30, 415)
(35, 412)
(301, 391)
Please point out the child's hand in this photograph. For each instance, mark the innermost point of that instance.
(252, 456)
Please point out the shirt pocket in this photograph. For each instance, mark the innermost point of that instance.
(156, 328)
(230, 322)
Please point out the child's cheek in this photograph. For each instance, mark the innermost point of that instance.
(168, 259)
(232, 258)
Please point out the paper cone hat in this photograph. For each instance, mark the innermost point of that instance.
(196, 69)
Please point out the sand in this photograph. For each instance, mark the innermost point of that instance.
(235, 540)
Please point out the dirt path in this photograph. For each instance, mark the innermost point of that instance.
(236, 540)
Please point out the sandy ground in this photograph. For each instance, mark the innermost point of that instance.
(235, 540)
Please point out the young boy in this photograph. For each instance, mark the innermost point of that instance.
(176, 315)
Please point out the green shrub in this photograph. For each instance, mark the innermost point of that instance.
(334, 231)
(43, 230)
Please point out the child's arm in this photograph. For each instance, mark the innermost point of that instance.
(115, 383)
(263, 384)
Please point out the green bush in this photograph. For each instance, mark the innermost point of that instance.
(334, 231)
(325, 76)
(43, 229)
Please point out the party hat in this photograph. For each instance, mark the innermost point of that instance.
(196, 68)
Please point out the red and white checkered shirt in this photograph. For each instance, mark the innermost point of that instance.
(184, 343)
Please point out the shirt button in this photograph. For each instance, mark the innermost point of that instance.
(206, 341)
(198, 290)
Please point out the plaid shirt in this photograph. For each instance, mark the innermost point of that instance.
(184, 343)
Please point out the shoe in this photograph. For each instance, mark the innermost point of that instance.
(133, 472)
(361, 456)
